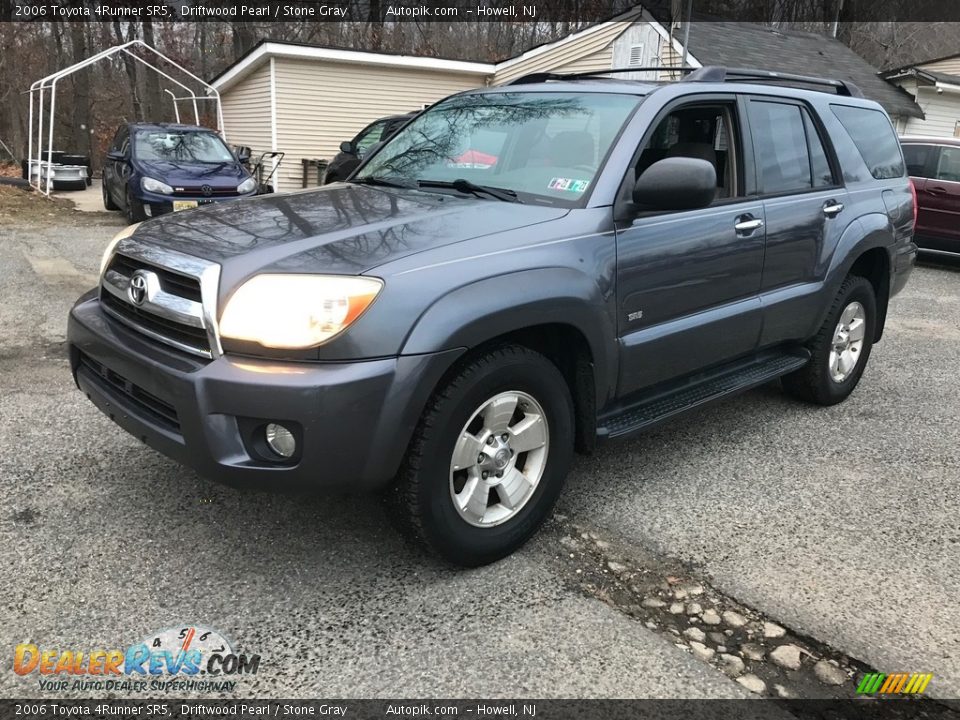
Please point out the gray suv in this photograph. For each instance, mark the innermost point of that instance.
(521, 272)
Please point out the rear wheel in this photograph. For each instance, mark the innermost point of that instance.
(108, 202)
(489, 457)
(840, 349)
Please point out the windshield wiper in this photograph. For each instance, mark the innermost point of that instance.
(465, 186)
(381, 181)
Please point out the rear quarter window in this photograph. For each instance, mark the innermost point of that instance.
(874, 138)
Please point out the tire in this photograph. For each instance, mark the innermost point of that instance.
(108, 202)
(423, 497)
(135, 213)
(16, 182)
(822, 381)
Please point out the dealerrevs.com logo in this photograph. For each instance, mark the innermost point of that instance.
(182, 659)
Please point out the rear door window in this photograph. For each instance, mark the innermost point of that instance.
(874, 137)
(780, 147)
(948, 165)
(917, 157)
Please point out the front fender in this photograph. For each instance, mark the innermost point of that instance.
(480, 311)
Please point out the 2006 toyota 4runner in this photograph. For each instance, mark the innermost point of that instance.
(519, 272)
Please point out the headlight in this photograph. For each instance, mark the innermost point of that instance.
(108, 253)
(296, 311)
(248, 185)
(151, 185)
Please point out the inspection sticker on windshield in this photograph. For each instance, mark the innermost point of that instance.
(568, 184)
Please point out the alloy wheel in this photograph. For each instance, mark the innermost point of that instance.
(499, 459)
(847, 343)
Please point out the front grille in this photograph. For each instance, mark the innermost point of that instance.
(172, 282)
(183, 334)
(159, 411)
(198, 192)
(159, 293)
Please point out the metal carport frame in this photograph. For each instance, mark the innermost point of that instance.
(50, 83)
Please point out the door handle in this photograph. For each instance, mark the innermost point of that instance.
(936, 190)
(832, 208)
(747, 224)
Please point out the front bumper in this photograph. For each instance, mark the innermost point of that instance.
(353, 420)
(155, 204)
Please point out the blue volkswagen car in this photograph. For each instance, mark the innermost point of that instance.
(153, 169)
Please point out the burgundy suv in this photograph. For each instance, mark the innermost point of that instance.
(933, 164)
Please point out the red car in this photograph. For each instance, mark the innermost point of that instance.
(933, 164)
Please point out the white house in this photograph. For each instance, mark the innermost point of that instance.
(935, 86)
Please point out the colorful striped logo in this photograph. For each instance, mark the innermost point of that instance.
(894, 684)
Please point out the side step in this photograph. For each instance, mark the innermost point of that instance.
(665, 403)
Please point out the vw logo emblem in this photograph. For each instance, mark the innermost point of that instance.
(138, 287)
(206, 190)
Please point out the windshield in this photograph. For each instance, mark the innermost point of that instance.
(181, 146)
(543, 146)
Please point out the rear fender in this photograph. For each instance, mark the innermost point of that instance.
(870, 231)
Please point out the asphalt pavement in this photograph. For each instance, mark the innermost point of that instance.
(840, 524)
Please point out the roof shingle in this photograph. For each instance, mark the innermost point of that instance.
(739, 45)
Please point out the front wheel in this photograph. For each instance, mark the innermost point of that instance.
(840, 350)
(135, 212)
(488, 458)
(108, 202)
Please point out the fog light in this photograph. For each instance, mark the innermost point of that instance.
(280, 440)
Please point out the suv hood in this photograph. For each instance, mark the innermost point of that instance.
(339, 229)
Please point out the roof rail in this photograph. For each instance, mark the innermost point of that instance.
(713, 73)
(544, 76)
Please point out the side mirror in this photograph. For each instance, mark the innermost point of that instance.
(347, 147)
(243, 153)
(117, 156)
(677, 183)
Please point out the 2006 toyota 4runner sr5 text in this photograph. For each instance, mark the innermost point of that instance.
(519, 272)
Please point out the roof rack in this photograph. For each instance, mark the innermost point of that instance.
(713, 73)
(538, 77)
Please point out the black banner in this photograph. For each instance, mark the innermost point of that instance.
(392, 11)
(857, 709)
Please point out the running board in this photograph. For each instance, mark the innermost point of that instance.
(699, 391)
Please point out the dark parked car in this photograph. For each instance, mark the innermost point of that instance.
(154, 169)
(454, 330)
(352, 151)
(934, 166)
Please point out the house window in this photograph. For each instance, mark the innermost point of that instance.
(636, 55)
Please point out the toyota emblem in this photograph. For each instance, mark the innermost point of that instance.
(206, 190)
(138, 287)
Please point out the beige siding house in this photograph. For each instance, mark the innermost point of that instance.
(935, 86)
(305, 100)
(248, 106)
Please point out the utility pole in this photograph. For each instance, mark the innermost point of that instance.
(686, 33)
(836, 19)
